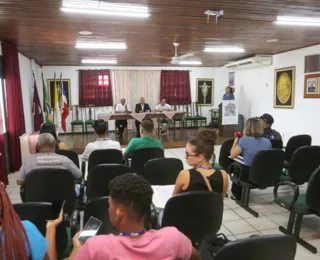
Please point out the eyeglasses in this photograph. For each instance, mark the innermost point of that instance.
(191, 155)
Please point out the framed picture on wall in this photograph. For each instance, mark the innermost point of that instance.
(231, 78)
(205, 92)
(284, 87)
(312, 86)
(66, 85)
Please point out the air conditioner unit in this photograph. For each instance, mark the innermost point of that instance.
(253, 62)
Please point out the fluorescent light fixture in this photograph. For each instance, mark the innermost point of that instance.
(85, 33)
(103, 8)
(224, 49)
(93, 61)
(186, 62)
(302, 21)
(107, 45)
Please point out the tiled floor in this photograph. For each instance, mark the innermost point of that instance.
(238, 223)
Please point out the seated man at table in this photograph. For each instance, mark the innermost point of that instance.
(122, 124)
(267, 122)
(140, 108)
(47, 158)
(129, 202)
(146, 140)
(162, 107)
(102, 142)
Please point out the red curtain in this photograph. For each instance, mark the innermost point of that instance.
(14, 116)
(3, 168)
(95, 88)
(175, 87)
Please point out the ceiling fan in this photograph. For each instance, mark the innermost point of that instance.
(175, 59)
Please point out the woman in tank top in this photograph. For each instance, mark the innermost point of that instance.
(202, 177)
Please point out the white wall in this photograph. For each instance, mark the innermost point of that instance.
(257, 94)
(220, 75)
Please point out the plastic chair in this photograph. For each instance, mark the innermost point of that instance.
(293, 144)
(162, 171)
(300, 205)
(104, 156)
(276, 144)
(196, 214)
(38, 213)
(73, 156)
(224, 160)
(141, 156)
(275, 247)
(99, 177)
(264, 172)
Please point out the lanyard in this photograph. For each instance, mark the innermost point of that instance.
(128, 234)
(102, 139)
(202, 167)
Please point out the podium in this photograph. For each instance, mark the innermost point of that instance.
(225, 130)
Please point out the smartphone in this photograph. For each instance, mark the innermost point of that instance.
(90, 229)
(56, 208)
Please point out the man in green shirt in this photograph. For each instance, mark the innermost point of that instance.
(146, 140)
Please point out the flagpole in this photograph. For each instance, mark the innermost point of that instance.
(54, 96)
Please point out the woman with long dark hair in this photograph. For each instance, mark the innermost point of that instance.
(51, 129)
(21, 240)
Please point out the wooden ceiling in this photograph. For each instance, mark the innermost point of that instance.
(44, 33)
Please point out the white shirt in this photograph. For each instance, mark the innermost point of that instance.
(99, 144)
(122, 108)
(160, 107)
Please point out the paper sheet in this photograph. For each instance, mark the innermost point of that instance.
(161, 194)
(229, 112)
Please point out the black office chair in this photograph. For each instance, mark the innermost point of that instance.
(293, 144)
(162, 171)
(196, 214)
(105, 156)
(141, 156)
(99, 177)
(264, 172)
(224, 160)
(38, 213)
(275, 247)
(73, 156)
(276, 144)
(300, 205)
(304, 161)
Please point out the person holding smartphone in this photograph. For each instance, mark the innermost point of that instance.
(130, 200)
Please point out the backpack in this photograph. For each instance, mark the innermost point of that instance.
(210, 247)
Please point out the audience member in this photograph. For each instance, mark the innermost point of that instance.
(102, 142)
(267, 122)
(21, 240)
(130, 200)
(202, 176)
(146, 140)
(51, 129)
(249, 145)
(203, 134)
(229, 94)
(47, 158)
(122, 124)
(162, 107)
(140, 108)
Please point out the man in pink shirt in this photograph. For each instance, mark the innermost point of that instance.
(130, 199)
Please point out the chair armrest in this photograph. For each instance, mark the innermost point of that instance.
(74, 222)
(236, 169)
(154, 214)
(82, 197)
(83, 168)
(283, 203)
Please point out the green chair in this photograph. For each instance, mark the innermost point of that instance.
(89, 117)
(188, 116)
(300, 205)
(197, 115)
(76, 121)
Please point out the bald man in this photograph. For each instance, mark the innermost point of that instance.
(122, 124)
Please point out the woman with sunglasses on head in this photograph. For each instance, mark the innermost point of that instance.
(249, 145)
(202, 177)
(21, 240)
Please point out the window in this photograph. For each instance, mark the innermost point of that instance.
(103, 80)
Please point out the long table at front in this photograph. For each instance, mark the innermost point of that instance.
(140, 116)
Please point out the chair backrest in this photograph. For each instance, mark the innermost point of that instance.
(38, 213)
(304, 161)
(296, 142)
(313, 191)
(196, 109)
(188, 109)
(141, 156)
(73, 156)
(76, 115)
(225, 149)
(276, 144)
(267, 167)
(49, 185)
(103, 156)
(275, 247)
(99, 177)
(162, 171)
(195, 214)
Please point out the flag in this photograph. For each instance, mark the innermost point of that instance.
(37, 110)
(64, 105)
(46, 104)
(57, 113)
